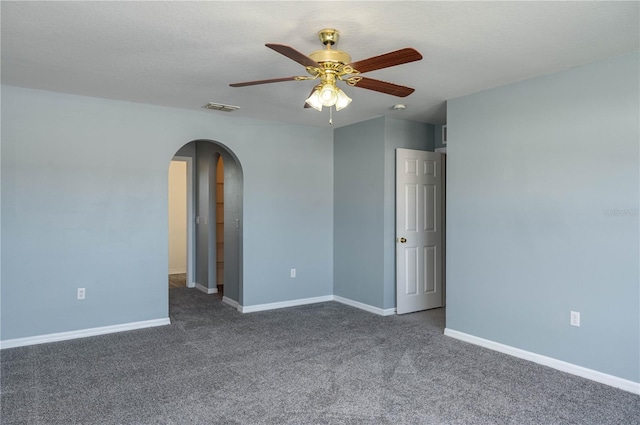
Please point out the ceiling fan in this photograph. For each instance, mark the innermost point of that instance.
(330, 66)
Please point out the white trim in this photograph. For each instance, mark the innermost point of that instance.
(230, 302)
(594, 375)
(441, 150)
(303, 301)
(284, 304)
(366, 307)
(82, 333)
(177, 271)
(206, 290)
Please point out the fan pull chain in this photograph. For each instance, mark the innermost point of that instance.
(330, 115)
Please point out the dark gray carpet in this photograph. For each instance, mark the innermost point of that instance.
(318, 364)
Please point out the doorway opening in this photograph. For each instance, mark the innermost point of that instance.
(179, 210)
(212, 222)
(220, 225)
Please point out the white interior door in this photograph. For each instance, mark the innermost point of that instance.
(418, 262)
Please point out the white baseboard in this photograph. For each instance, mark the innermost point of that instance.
(206, 290)
(177, 271)
(230, 302)
(594, 375)
(366, 307)
(283, 304)
(82, 333)
(322, 299)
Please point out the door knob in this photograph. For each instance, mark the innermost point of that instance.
(402, 240)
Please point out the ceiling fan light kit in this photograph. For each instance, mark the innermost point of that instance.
(328, 95)
(330, 66)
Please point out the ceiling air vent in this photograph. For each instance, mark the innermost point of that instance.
(220, 107)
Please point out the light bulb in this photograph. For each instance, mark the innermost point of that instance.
(328, 95)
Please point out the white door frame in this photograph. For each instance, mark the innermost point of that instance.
(443, 221)
(190, 220)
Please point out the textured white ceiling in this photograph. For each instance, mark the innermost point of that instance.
(185, 54)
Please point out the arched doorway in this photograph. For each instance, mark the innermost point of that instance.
(214, 219)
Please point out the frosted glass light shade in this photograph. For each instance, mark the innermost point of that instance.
(343, 100)
(314, 100)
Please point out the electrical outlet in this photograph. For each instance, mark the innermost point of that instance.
(81, 293)
(293, 272)
(575, 318)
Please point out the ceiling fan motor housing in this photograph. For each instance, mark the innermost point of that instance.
(335, 56)
(329, 37)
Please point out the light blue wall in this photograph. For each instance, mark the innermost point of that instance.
(84, 204)
(358, 215)
(205, 229)
(364, 205)
(542, 215)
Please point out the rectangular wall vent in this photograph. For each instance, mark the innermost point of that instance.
(220, 107)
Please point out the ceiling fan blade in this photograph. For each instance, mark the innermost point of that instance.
(293, 54)
(384, 87)
(253, 83)
(397, 57)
